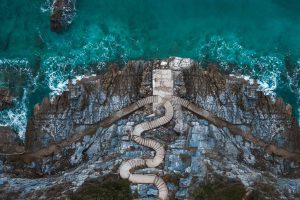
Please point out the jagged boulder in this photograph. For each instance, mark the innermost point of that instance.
(62, 14)
(6, 99)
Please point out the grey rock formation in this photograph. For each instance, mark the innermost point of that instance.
(10, 141)
(247, 136)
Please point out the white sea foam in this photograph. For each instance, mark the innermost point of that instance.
(16, 117)
(59, 69)
(13, 62)
(46, 6)
(80, 77)
(262, 86)
(266, 69)
(247, 78)
(62, 86)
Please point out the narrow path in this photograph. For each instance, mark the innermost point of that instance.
(218, 122)
(54, 147)
(126, 169)
(127, 166)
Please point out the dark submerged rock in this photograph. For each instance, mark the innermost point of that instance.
(62, 14)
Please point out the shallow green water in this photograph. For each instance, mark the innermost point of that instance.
(261, 37)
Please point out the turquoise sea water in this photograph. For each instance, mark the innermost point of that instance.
(261, 37)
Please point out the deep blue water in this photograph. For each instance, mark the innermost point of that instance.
(261, 37)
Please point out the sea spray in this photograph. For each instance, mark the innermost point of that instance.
(16, 117)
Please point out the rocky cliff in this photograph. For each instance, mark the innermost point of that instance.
(232, 135)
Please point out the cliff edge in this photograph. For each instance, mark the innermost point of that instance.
(228, 132)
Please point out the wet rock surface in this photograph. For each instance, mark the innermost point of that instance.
(66, 146)
(6, 99)
(62, 14)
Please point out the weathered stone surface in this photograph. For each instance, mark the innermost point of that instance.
(9, 141)
(84, 104)
(240, 103)
(76, 149)
(6, 99)
(62, 14)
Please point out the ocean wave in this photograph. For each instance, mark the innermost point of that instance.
(84, 61)
(262, 86)
(16, 117)
(80, 77)
(266, 69)
(293, 79)
(87, 60)
(269, 70)
(17, 62)
(19, 79)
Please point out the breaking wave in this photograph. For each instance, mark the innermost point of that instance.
(271, 70)
(55, 70)
(16, 117)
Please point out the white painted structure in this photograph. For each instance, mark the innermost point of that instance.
(163, 84)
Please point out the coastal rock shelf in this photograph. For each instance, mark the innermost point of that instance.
(201, 124)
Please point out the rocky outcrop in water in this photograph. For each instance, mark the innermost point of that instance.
(228, 129)
(62, 14)
(6, 99)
